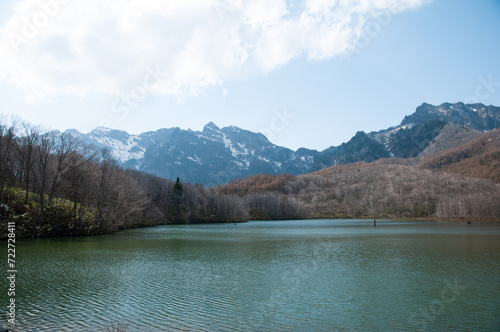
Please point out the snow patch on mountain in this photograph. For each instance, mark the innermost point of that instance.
(195, 159)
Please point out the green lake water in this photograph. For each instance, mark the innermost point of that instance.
(307, 275)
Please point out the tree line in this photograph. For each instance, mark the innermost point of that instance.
(52, 184)
(388, 188)
(478, 158)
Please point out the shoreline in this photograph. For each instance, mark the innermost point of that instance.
(475, 220)
(450, 220)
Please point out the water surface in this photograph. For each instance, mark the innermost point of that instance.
(309, 275)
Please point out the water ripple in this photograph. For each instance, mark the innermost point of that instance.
(280, 276)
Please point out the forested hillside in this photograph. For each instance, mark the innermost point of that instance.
(54, 185)
(383, 189)
(478, 158)
(459, 183)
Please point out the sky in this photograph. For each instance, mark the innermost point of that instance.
(304, 73)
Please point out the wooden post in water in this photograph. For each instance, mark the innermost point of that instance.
(374, 223)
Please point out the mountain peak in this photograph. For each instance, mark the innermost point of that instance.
(211, 127)
(487, 118)
(72, 132)
(217, 155)
(102, 129)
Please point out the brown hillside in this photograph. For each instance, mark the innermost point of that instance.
(457, 183)
(256, 183)
(478, 158)
(451, 136)
(390, 188)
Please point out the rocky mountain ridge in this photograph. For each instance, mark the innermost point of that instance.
(216, 155)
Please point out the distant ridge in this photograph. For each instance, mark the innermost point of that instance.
(215, 156)
(478, 158)
(474, 116)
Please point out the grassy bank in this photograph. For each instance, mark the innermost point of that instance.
(60, 217)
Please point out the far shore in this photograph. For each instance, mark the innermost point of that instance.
(451, 220)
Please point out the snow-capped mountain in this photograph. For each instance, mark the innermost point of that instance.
(474, 116)
(210, 157)
(429, 129)
(216, 155)
(125, 148)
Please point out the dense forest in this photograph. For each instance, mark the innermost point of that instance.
(462, 182)
(388, 188)
(52, 184)
(477, 158)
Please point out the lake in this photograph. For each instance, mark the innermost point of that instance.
(307, 275)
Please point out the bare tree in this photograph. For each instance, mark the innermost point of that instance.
(27, 147)
(106, 171)
(7, 146)
(67, 154)
(79, 175)
(44, 170)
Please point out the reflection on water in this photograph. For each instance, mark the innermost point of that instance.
(310, 275)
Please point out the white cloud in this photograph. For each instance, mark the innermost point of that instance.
(50, 48)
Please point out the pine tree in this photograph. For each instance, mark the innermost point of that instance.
(176, 204)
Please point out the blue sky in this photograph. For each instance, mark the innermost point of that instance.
(305, 73)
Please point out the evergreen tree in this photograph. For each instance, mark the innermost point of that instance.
(177, 193)
(176, 205)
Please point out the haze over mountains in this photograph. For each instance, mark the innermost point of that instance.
(216, 155)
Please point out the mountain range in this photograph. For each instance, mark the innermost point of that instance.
(216, 155)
